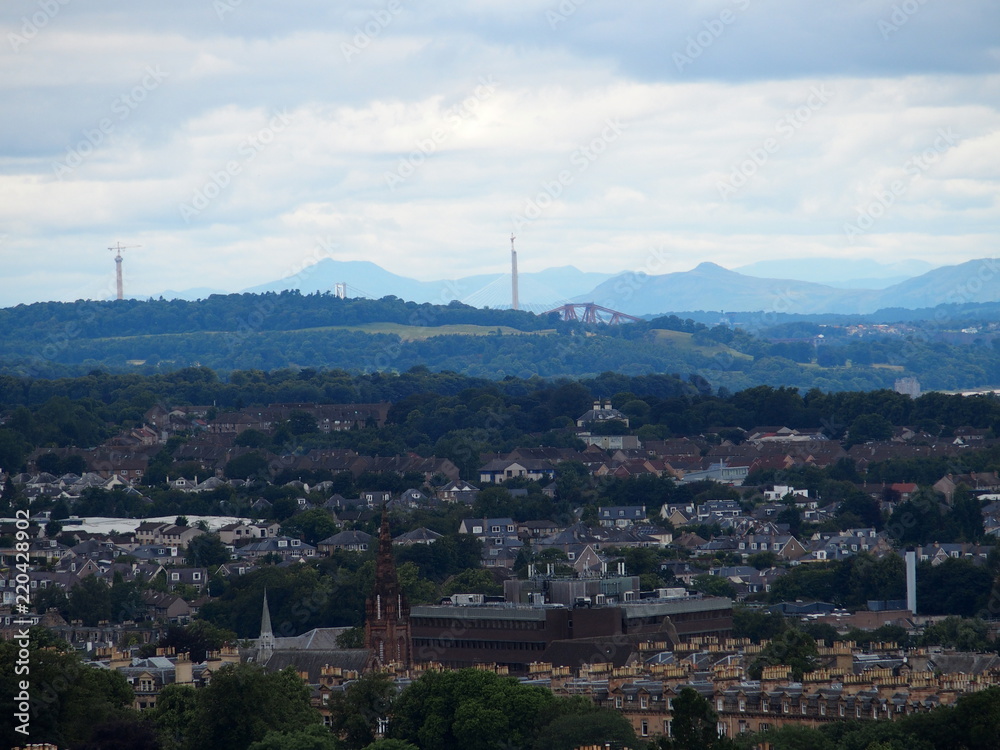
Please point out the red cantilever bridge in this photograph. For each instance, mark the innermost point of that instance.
(589, 312)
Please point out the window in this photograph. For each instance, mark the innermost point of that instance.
(743, 704)
(719, 703)
(618, 702)
(196, 575)
(643, 701)
(644, 728)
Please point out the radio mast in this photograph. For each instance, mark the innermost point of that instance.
(513, 274)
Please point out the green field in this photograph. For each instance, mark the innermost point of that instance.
(684, 341)
(419, 333)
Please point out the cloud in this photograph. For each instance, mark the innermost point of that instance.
(232, 138)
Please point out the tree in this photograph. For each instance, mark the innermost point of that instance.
(90, 601)
(390, 744)
(312, 737)
(71, 698)
(867, 428)
(311, 526)
(706, 583)
(793, 648)
(197, 639)
(757, 624)
(694, 723)
(206, 551)
(468, 709)
(125, 733)
(473, 581)
(579, 723)
(763, 560)
(355, 713)
(248, 465)
(174, 714)
(243, 703)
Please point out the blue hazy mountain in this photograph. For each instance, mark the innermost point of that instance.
(860, 273)
(553, 286)
(712, 287)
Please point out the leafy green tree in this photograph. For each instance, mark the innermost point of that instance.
(69, 698)
(473, 581)
(797, 737)
(693, 723)
(468, 709)
(174, 714)
(252, 464)
(869, 427)
(355, 713)
(706, 583)
(311, 526)
(312, 737)
(390, 744)
(243, 703)
(793, 648)
(196, 639)
(206, 551)
(579, 723)
(763, 560)
(252, 439)
(352, 638)
(757, 624)
(90, 601)
(126, 599)
(123, 733)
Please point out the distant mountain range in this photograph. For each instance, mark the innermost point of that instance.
(712, 287)
(766, 286)
(541, 289)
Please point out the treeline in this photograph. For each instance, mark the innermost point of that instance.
(279, 330)
(459, 417)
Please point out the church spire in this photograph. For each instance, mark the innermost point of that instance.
(387, 612)
(265, 643)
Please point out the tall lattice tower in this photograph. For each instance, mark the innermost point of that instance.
(118, 266)
(513, 274)
(387, 612)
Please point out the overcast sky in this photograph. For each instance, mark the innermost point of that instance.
(237, 141)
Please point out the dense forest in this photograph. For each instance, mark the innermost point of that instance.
(274, 331)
